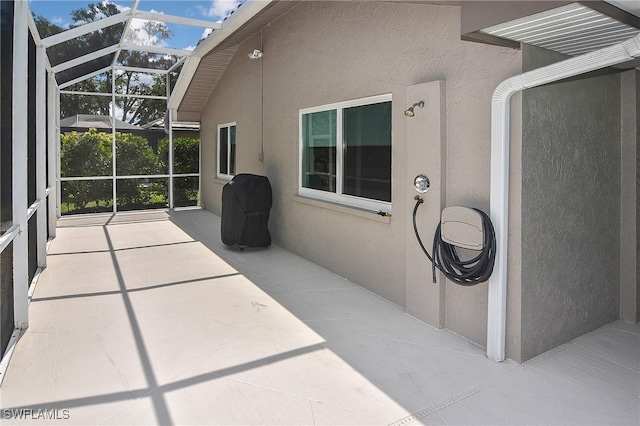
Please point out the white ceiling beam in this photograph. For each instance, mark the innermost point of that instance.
(157, 49)
(177, 64)
(133, 10)
(118, 95)
(170, 19)
(142, 70)
(85, 29)
(86, 58)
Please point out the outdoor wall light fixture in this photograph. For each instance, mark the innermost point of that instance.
(409, 112)
(256, 54)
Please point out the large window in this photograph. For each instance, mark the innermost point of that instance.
(226, 151)
(345, 153)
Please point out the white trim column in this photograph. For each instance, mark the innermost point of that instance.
(41, 149)
(20, 163)
(113, 140)
(171, 203)
(56, 155)
(53, 132)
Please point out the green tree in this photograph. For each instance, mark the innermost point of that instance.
(186, 159)
(134, 156)
(88, 154)
(135, 111)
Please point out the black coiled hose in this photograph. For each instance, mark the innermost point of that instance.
(446, 259)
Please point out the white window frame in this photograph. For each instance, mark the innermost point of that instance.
(219, 175)
(338, 197)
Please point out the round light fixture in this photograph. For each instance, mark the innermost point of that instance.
(421, 183)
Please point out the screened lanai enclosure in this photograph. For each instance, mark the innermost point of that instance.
(86, 127)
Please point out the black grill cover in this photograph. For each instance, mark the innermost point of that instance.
(246, 202)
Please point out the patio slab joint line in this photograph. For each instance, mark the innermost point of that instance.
(436, 407)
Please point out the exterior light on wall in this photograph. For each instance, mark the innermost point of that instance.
(409, 112)
(256, 54)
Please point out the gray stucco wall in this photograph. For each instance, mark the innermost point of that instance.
(326, 52)
(629, 197)
(637, 195)
(570, 207)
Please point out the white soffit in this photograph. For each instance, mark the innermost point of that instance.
(573, 29)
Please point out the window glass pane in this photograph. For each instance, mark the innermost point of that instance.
(139, 194)
(186, 191)
(367, 151)
(85, 154)
(223, 150)
(319, 150)
(135, 155)
(232, 150)
(186, 153)
(86, 196)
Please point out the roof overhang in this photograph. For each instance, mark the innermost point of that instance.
(571, 28)
(202, 70)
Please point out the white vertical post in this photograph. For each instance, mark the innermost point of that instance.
(41, 147)
(20, 162)
(171, 203)
(499, 211)
(113, 137)
(57, 151)
(53, 134)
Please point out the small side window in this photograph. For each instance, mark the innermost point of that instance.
(226, 167)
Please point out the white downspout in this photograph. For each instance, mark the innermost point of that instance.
(500, 105)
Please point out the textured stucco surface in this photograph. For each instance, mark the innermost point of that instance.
(570, 207)
(629, 198)
(326, 52)
(637, 195)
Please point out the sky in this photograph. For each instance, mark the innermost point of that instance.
(59, 12)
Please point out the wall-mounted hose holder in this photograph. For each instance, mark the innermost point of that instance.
(447, 260)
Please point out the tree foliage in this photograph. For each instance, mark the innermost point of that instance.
(134, 111)
(186, 160)
(90, 155)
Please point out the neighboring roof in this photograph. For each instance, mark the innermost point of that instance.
(88, 121)
(160, 124)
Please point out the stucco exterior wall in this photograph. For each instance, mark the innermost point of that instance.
(629, 200)
(326, 52)
(570, 207)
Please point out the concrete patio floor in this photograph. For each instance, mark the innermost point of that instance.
(147, 318)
